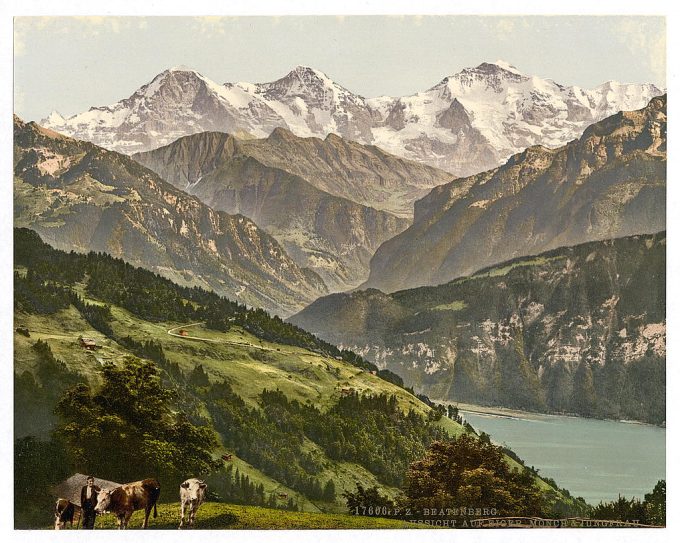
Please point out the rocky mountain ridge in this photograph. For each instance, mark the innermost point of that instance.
(329, 234)
(609, 183)
(575, 330)
(81, 197)
(330, 203)
(468, 122)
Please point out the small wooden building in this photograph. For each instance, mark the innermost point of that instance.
(183, 333)
(88, 343)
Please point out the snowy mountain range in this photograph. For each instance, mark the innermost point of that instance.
(468, 122)
(609, 183)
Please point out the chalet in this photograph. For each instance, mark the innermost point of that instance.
(23, 331)
(282, 495)
(226, 457)
(88, 343)
(346, 391)
(183, 333)
(71, 487)
(373, 372)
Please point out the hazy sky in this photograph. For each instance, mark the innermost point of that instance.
(70, 64)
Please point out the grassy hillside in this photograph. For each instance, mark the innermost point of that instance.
(218, 359)
(248, 363)
(223, 516)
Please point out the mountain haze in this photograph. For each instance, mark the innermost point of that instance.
(323, 200)
(81, 197)
(609, 183)
(578, 330)
(364, 174)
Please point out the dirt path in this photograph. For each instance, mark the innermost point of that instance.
(185, 326)
(172, 332)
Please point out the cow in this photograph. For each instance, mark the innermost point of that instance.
(63, 513)
(128, 498)
(192, 495)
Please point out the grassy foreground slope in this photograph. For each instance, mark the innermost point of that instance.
(248, 363)
(245, 349)
(223, 516)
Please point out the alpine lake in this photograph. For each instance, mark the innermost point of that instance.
(594, 459)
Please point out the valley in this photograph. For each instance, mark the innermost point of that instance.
(575, 330)
(419, 289)
(243, 355)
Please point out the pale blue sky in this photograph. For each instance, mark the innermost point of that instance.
(70, 64)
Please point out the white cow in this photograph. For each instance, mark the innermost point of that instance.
(192, 495)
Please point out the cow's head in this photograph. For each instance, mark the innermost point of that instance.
(193, 489)
(103, 501)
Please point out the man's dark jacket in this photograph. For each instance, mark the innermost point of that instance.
(84, 502)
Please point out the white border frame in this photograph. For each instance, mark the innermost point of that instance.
(12, 8)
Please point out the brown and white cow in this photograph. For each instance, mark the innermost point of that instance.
(128, 498)
(63, 513)
(191, 495)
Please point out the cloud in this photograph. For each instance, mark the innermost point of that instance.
(645, 37)
(22, 28)
(505, 27)
(90, 26)
(19, 99)
(501, 29)
(210, 26)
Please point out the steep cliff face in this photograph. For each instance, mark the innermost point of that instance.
(609, 183)
(292, 187)
(80, 197)
(578, 329)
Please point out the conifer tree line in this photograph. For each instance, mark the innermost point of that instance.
(46, 288)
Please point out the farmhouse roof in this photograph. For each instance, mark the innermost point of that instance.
(71, 487)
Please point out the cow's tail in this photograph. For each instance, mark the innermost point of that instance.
(153, 487)
(157, 493)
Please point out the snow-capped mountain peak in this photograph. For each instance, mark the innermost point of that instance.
(182, 68)
(468, 122)
(308, 72)
(302, 81)
(507, 66)
(55, 117)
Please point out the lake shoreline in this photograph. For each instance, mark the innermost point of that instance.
(508, 412)
(597, 459)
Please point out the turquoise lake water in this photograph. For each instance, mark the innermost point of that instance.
(595, 459)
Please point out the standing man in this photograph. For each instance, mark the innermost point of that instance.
(88, 499)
